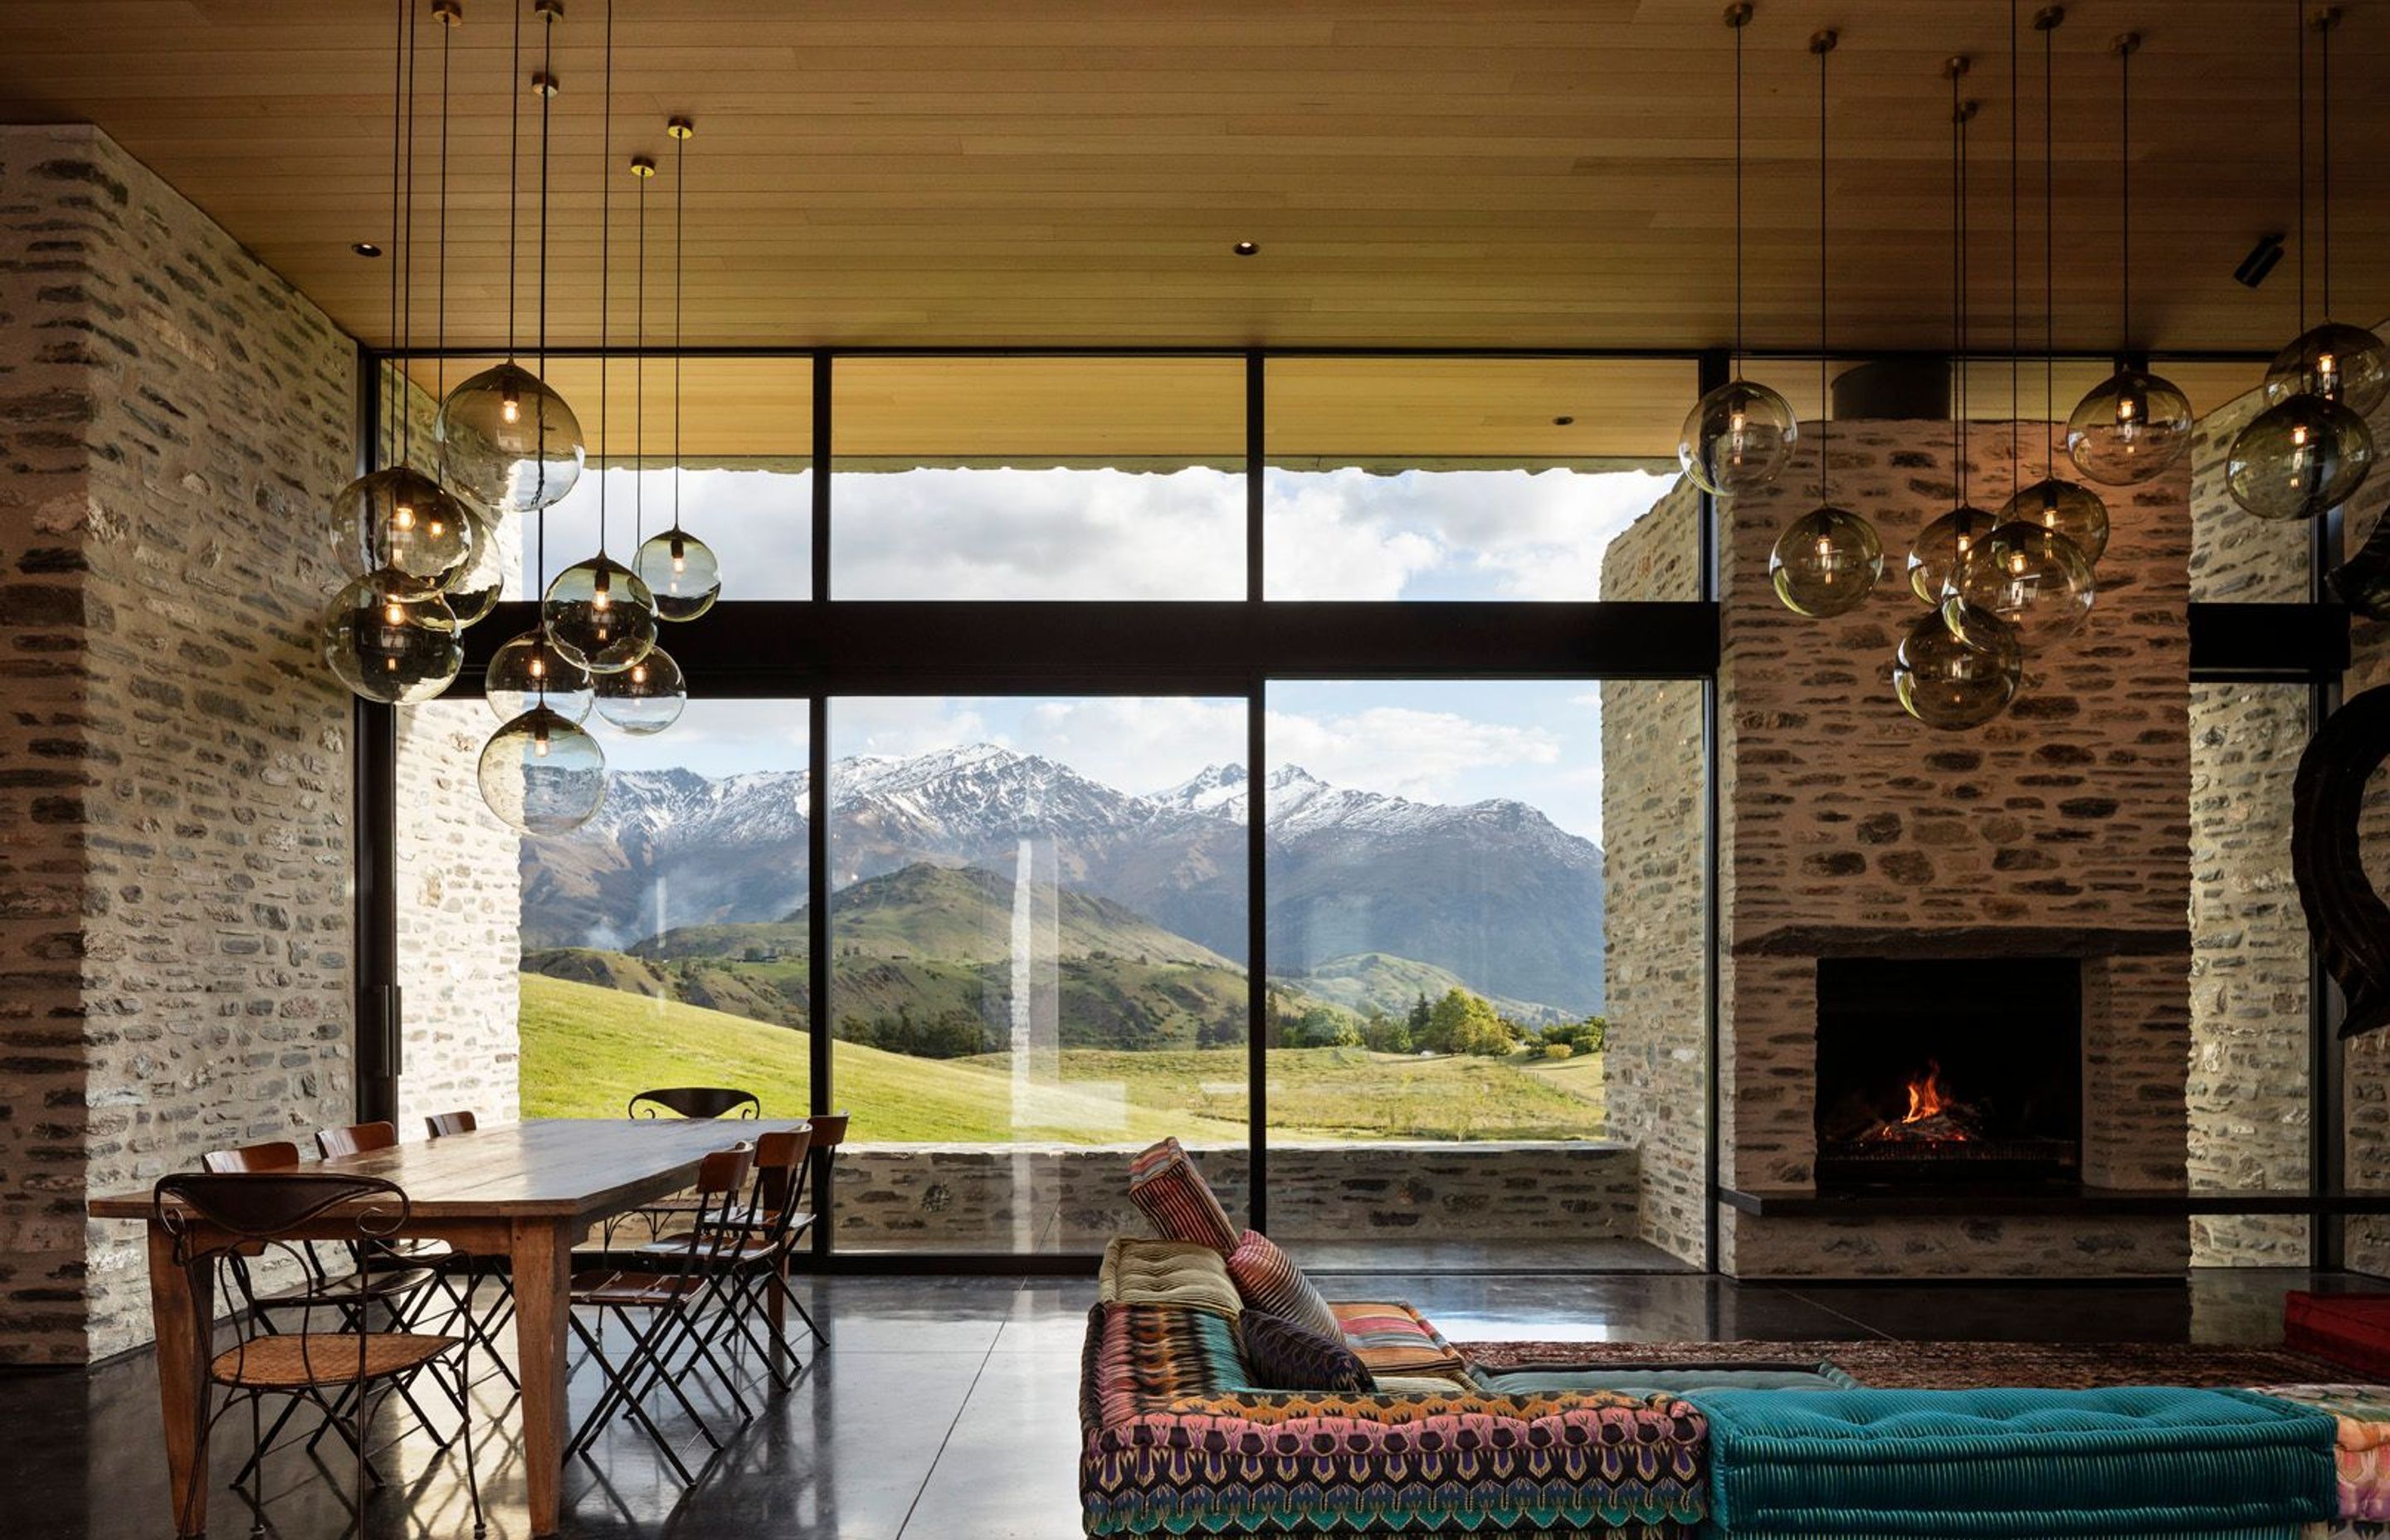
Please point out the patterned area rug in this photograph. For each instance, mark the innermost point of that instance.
(1948, 1365)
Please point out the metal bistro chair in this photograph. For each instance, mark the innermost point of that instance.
(488, 1324)
(762, 1234)
(221, 1223)
(697, 1103)
(350, 1291)
(674, 1339)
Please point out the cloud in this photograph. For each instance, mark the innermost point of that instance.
(1139, 744)
(1427, 756)
(898, 726)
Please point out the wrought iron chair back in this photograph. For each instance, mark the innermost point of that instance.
(698, 1102)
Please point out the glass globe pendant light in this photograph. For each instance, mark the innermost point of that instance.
(2032, 579)
(507, 439)
(1738, 437)
(526, 671)
(2067, 507)
(646, 697)
(388, 650)
(542, 773)
(2133, 424)
(1954, 681)
(1940, 547)
(2309, 451)
(679, 569)
(398, 529)
(1829, 560)
(477, 586)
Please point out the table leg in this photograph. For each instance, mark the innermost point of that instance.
(182, 1310)
(542, 1252)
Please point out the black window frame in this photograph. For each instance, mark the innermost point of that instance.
(822, 647)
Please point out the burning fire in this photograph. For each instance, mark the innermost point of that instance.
(1926, 1099)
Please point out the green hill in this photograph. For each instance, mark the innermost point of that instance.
(585, 1049)
(1363, 980)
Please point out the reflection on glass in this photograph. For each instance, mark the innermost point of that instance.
(1037, 935)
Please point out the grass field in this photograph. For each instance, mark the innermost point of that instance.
(585, 1049)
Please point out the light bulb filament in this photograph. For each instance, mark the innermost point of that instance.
(403, 516)
(510, 408)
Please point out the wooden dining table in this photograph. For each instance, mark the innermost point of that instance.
(526, 1191)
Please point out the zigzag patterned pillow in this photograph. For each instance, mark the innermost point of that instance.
(1280, 1355)
(1270, 1283)
(1164, 1183)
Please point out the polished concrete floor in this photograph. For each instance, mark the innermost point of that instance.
(946, 1408)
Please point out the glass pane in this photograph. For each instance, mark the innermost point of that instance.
(1435, 883)
(1039, 478)
(1462, 479)
(2248, 1081)
(745, 479)
(1037, 927)
(662, 943)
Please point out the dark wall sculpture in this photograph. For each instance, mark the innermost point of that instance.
(2346, 918)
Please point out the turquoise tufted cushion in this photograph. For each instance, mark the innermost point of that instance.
(2015, 1464)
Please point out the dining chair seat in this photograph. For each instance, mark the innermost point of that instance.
(635, 1289)
(324, 1358)
(347, 1289)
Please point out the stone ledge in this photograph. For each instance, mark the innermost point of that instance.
(1965, 941)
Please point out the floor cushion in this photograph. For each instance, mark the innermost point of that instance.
(1395, 1338)
(1669, 1378)
(1141, 1271)
(2349, 1329)
(1267, 1281)
(1164, 1183)
(2361, 1451)
(2015, 1464)
(1285, 1356)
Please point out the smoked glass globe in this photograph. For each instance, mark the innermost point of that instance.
(1737, 438)
(2340, 362)
(509, 442)
(646, 697)
(682, 573)
(393, 651)
(2034, 579)
(398, 529)
(473, 592)
(527, 671)
(599, 613)
(542, 774)
(2129, 428)
(1941, 546)
(2070, 508)
(2299, 459)
(1826, 562)
(1951, 681)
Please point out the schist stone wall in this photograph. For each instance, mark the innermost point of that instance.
(1044, 1198)
(1653, 793)
(1849, 829)
(175, 842)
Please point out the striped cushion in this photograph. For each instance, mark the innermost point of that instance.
(1393, 1338)
(1269, 1282)
(1139, 1270)
(1164, 1183)
(1280, 1355)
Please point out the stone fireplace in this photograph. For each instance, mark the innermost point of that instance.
(2046, 856)
(1948, 1070)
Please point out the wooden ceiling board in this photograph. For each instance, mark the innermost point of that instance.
(1004, 173)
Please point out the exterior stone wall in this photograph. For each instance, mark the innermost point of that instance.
(1852, 830)
(1050, 1198)
(1655, 1060)
(174, 765)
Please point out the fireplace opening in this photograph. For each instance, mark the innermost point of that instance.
(1949, 1069)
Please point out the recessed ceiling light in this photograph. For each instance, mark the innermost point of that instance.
(365, 249)
(1245, 249)
(1563, 422)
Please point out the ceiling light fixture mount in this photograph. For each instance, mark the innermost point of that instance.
(1246, 249)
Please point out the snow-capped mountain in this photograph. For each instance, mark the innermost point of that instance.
(1491, 890)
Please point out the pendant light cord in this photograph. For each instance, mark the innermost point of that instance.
(1739, 26)
(2325, 21)
(2049, 240)
(397, 143)
(406, 247)
(514, 176)
(680, 225)
(1960, 112)
(605, 253)
(2299, 35)
(2125, 46)
(639, 378)
(440, 269)
(1821, 45)
(2016, 361)
(546, 89)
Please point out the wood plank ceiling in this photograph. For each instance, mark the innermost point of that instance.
(1026, 173)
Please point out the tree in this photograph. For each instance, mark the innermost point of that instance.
(1418, 1020)
(1585, 1036)
(1461, 1022)
(1384, 1034)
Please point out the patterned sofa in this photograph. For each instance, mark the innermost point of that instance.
(1178, 1442)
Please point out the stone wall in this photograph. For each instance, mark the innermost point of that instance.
(1047, 1197)
(1655, 1060)
(2365, 1096)
(1850, 829)
(174, 765)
